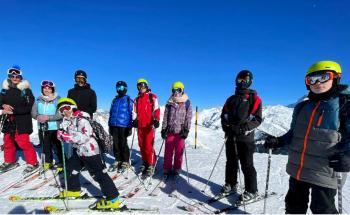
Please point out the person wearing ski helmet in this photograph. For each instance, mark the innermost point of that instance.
(175, 128)
(241, 114)
(76, 130)
(318, 141)
(16, 100)
(45, 112)
(146, 115)
(83, 94)
(120, 127)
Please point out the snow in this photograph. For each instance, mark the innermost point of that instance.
(200, 162)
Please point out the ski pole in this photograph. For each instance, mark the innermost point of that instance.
(340, 193)
(131, 147)
(267, 178)
(65, 175)
(188, 178)
(238, 168)
(196, 129)
(217, 159)
(43, 128)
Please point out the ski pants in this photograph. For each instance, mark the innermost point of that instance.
(146, 142)
(120, 144)
(97, 171)
(24, 143)
(297, 198)
(49, 143)
(245, 156)
(174, 147)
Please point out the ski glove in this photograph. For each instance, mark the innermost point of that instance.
(340, 162)
(164, 134)
(272, 142)
(64, 137)
(156, 123)
(135, 123)
(184, 133)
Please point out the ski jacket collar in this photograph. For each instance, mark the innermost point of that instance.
(48, 98)
(182, 99)
(86, 86)
(23, 85)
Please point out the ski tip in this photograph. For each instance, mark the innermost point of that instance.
(14, 198)
(50, 209)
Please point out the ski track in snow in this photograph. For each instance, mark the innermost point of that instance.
(200, 162)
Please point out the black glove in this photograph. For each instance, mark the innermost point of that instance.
(271, 142)
(340, 162)
(135, 123)
(164, 133)
(184, 133)
(156, 123)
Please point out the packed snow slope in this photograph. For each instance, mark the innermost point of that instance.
(200, 163)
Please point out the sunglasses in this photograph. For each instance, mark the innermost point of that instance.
(141, 85)
(177, 91)
(14, 71)
(15, 76)
(47, 84)
(65, 108)
(319, 77)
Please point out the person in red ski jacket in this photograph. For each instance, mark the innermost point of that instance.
(146, 115)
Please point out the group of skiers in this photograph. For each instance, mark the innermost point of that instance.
(318, 140)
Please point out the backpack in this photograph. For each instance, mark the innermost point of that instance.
(104, 140)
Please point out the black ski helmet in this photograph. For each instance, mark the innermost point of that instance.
(122, 87)
(80, 73)
(244, 74)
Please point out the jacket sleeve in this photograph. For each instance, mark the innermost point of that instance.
(188, 118)
(256, 117)
(93, 102)
(26, 108)
(131, 108)
(224, 117)
(58, 116)
(82, 136)
(156, 109)
(165, 117)
(134, 110)
(35, 113)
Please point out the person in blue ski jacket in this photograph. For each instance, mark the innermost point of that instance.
(120, 127)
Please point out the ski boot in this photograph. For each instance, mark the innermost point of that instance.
(143, 168)
(106, 205)
(8, 166)
(113, 167)
(48, 166)
(150, 171)
(59, 168)
(30, 169)
(123, 167)
(227, 190)
(70, 194)
(248, 196)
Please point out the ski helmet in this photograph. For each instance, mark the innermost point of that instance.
(325, 66)
(142, 82)
(244, 79)
(47, 83)
(122, 87)
(178, 87)
(66, 101)
(80, 73)
(15, 70)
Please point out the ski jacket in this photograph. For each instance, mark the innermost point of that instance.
(244, 109)
(120, 114)
(85, 98)
(47, 106)
(146, 109)
(315, 128)
(21, 98)
(82, 134)
(177, 114)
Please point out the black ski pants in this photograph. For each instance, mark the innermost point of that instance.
(120, 144)
(297, 198)
(245, 156)
(49, 143)
(97, 171)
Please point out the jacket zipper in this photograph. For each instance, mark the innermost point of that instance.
(306, 139)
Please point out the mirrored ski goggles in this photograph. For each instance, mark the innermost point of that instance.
(15, 76)
(243, 79)
(120, 88)
(177, 91)
(47, 84)
(14, 71)
(321, 77)
(141, 85)
(64, 108)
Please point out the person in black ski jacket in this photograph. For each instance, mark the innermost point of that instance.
(16, 99)
(82, 94)
(318, 142)
(241, 114)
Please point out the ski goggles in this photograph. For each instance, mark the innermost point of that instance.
(245, 79)
(47, 84)
(141, 85)
(121, 88)
(321, 77)
(15, 76)
(176, 91)
(14, 71)
(64, 108)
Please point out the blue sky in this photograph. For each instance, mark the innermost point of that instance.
(202, 43)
